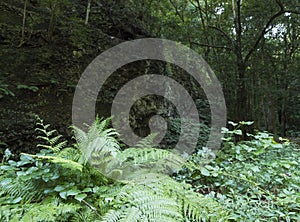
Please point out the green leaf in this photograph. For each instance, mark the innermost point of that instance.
(5, 182)
(248, 123)
(73, 192)
(80, 197)
(204, 171)
(238, 132)
(59, 188)
(63, 194)
(255, 169)
(88, 189)
(287, 166)
(232, 123)
(224, 130)
(259, 151)
(16, 200)
(55, 159)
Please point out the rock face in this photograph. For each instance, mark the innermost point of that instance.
(41, 62)
(44, 48)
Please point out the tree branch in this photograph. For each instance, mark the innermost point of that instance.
(223, 33)
(212, 46)
(200, 14)
(23, 23)
(88, 10)
(280, 5)
(265, 29)
(177, 12)
(91, 207)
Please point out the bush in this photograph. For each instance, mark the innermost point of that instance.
(258, 179)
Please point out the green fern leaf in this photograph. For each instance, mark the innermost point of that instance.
(131, 215)
(112, 216)
(56, 159)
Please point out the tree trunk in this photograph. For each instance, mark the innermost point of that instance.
(242, 108)
(283, 119)
(51, 26)
(24, 23)
(88, 10)
(272, 120)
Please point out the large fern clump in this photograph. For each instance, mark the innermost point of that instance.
(163, 200)
(148, 194)
(50, 185)
(102, 150)
(76, 183)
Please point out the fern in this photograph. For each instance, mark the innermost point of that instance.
(59, 160)
(97, 139)
(18, 184)
(112, 216)
(163, 200)
(50, 141)
(151, 195)
(102, 151)
(50, 210)
(72, 154)
(147, 142)
(47, 187)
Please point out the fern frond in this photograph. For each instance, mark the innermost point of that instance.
(139, 203)
(164, 200)
(147, 142)
(16, 191)
(71, 154)
(51, 209)
(56, 159)
(85, 215)
(112, 216)
(135, 162)
(51, 141)
(50, 133)
(58, 146)
(55, 139)
(131, 214)
(99, 146)
(81, 136)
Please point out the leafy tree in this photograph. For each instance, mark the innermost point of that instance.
(231, 35)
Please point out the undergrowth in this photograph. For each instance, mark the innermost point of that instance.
(95, 180)
(77, 183)
(259, 180)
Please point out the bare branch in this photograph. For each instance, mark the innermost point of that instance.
(201, 14)
(88, 10)
(261, 35)
(193, 4)
(177, 12)
(280, 5)
(265, 29)
(212, 46)
(223, 33)
(91, 207)
(23, 23)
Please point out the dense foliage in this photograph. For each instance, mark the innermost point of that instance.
(252, 47)
(258, 179)
(58, 184)
(250, 181)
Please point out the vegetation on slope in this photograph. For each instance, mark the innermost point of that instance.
(255, 180)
